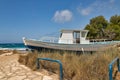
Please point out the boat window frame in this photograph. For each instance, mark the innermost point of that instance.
(83, 34)
(77, 36)
(61, 35)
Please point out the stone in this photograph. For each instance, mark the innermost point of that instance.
(38, 78)
(32, 76)
(38, 73)
(11, 69)
(27, 79)
(17, 78)
(47, 78)
(2, 75)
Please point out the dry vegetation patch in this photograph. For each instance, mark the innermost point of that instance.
(75, 67)
(5, 51)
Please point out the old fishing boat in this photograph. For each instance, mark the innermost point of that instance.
(69, 40)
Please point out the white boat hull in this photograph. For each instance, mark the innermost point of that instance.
(38, 45)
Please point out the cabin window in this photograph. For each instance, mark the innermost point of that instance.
(83, 34)
(77, 37)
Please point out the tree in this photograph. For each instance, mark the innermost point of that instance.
(96, 27)
(110, 32)
(92, 32)
(113, 29)
(115, 20)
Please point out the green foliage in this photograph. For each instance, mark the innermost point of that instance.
(96, 27)
(99, 27)
(115, 20)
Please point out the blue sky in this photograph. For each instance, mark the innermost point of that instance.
(37, 18)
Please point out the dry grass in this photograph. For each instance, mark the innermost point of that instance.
(5, 51)
(82, 67)
(29, 60)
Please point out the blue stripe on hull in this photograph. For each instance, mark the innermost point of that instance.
(35, 47)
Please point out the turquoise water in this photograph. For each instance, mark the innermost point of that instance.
(17, 46)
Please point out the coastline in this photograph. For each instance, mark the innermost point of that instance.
(19, 49)
(12, 46)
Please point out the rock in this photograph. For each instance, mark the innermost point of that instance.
(2, 75)
(10, 69)
(47, 78)
(17, 78)
(38, 78)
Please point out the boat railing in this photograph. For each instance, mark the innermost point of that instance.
(49, 39)
(74, 41)
(68, 41)
(105, 42)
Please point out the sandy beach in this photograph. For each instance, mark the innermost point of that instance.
(11, 69)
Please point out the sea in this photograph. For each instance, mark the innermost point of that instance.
(12, 46)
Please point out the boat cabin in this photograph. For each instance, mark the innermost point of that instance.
(73, 37)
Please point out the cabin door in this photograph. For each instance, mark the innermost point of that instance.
(77, 37)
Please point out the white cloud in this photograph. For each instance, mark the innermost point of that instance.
(97, 7)
(62, 16)
(112, 1)
(85, 11)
